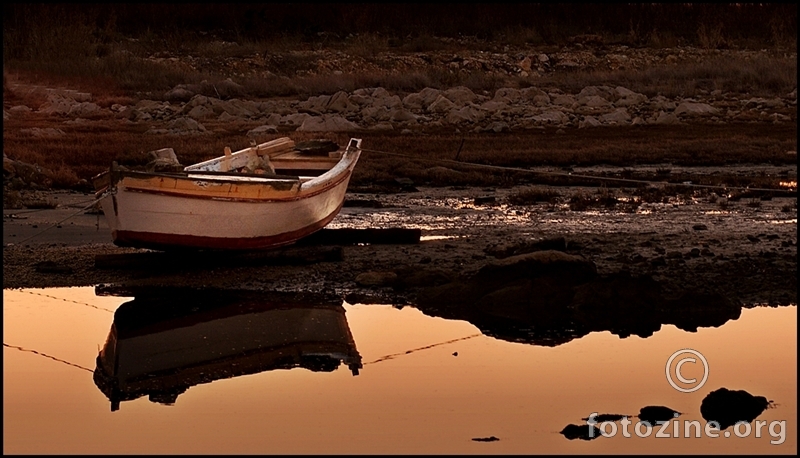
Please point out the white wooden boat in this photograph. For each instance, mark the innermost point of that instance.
(162, 344)
(222, 204)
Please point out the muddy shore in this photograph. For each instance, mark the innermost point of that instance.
(746, 252)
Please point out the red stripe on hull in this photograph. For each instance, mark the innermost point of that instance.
(158, 241)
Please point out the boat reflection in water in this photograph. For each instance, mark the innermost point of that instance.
(167, 340)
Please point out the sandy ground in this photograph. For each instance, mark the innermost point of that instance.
(747, 251)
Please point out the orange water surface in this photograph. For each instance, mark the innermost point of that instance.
(416, 393)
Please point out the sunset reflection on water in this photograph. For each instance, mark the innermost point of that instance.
(427, 385)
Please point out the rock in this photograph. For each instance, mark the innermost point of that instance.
(589, 121)
(507, 95)
(229, 88)
(574, 269)
(262, 131)
(441, 105)
(340, 103)
(620, 303)
(422, 99)
(376, 279)
(695, 109)
(460, 95)
(295, 119)
(494, 106)
(551, 117)
(536, 96)
(483, 439)
(315, 104)
(327, 123)
(728, 407)
(606, 417)
(466, 114)
(401, 115)
(201, 112)
(497, 127)
(525, 64)
(57, 104)
(625, 93)
(582, 432)
(657, 414)
(618, 116)
(563, 100)
(700, 227)
(666, 119)
(19, 110)
(695, 309)
(163, 153)
(181, 126)
(179, 94)
(593, 101)
(606, 93)
(507, 250)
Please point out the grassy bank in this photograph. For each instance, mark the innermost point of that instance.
(274, 51)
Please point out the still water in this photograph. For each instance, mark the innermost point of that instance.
(228, 373)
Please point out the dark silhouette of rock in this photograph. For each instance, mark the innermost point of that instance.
(656, 414)
(728, 407)
(696, 309)
(583, 432)
(551, 297)
(540, 263)
(504, 251)
(607, 417)
(486, 439)
(619, 303)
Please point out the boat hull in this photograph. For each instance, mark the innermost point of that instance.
(198, 212)
(154, 220)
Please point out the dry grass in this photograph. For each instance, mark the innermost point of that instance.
(91, 51)
(87, 149)
(97, 53)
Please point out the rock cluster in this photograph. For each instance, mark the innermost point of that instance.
(455, 109)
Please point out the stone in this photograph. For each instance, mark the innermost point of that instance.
(376, 279)
(728, 407)
(332, 123)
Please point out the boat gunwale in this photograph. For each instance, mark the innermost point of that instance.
(298, 194)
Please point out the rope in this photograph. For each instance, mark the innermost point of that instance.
(573, 175)
(68, 300)
(25, 212)
(68, 217)
(427, 347)
(48, 356)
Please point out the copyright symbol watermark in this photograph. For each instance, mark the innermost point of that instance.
(688, 384)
